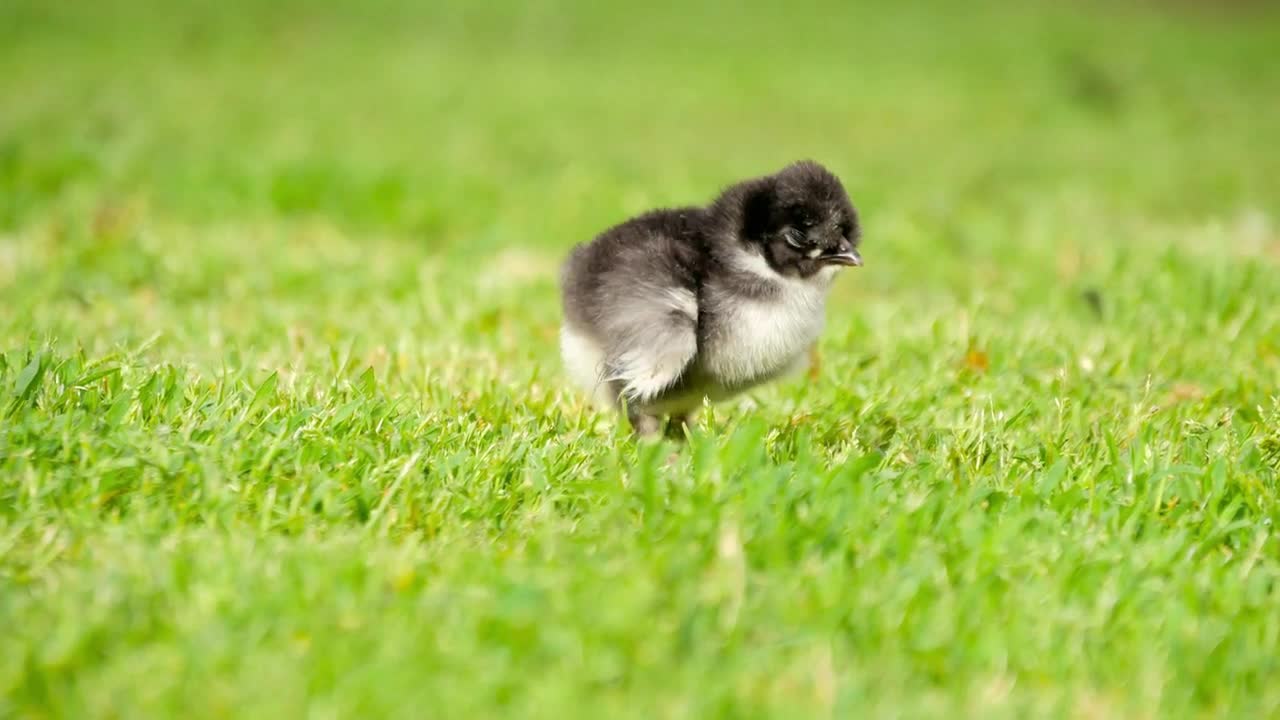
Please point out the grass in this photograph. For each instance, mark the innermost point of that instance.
(283, 431)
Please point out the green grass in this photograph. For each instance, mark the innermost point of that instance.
(283, 431)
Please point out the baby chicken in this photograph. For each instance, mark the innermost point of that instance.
(680, 305)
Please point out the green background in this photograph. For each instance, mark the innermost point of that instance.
(283, 431)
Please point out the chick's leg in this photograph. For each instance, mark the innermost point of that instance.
(678, 425)
(644, 424)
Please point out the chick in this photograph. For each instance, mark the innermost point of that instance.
(677, 306)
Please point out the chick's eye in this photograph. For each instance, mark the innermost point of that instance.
(794, 238)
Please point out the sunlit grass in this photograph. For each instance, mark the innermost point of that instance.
(283, 431)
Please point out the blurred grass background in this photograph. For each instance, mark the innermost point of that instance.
(284, 431)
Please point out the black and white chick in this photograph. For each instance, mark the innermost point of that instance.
(680, 305)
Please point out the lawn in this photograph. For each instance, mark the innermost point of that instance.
(284, 433)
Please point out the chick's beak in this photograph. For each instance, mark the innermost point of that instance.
(846, 256)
